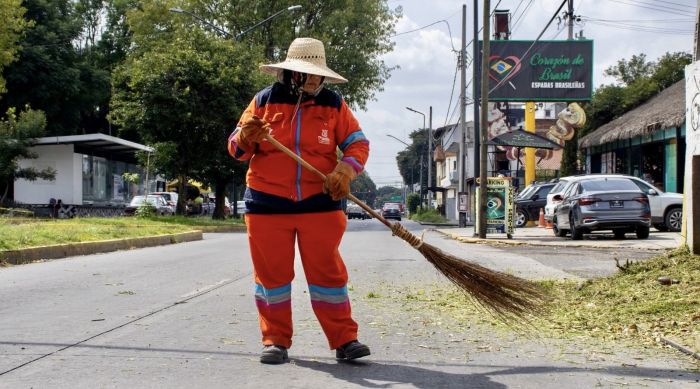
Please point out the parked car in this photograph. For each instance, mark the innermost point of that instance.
(170, 197)
(240, 207)
(356, 212)
(558, 188)
(666, 207)
(391, 211)
(161, 206)
(602, 203)
(530, 201)
(209, 204)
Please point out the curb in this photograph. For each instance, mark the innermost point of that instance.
(23, 256)
(223, 229)
(510, 242)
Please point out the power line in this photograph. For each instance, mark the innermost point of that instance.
(675, 12)
(640, 28)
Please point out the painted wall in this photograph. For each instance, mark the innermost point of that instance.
(62, 159)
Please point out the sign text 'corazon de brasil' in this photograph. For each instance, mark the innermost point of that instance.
(547, 70)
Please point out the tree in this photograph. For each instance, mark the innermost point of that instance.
(183, 96)
(364, 188)
(17, 134)
(356, 33)
(11, 12)
(627, 71)
(386, 193)
(411, 161)
(45, 75)
(183, 85)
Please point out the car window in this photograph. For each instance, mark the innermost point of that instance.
(644, 186)
(526, 192)
(544, 191)
(559, 187)
(568, 190)
(608, 184)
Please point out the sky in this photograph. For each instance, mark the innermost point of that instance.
(428, 63)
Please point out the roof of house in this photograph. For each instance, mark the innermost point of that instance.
(97, 144)
(665, 110)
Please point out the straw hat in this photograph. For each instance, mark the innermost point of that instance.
(306, 55)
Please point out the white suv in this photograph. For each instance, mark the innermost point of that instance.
(666, 207)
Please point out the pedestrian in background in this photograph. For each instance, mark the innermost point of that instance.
(287, 204)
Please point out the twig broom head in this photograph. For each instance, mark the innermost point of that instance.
(504, 295)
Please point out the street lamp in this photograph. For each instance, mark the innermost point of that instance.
(430, 141)
(228, 34)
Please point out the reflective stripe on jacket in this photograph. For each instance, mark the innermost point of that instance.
(321, 123)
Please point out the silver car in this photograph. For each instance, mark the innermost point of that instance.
(666, 207)
(602, 203)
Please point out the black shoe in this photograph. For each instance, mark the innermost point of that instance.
(274, 354)
(352, 350)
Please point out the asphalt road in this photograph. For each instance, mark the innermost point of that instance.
(183, 316)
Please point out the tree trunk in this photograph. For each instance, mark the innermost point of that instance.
(220, 193)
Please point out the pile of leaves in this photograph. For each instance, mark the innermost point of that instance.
(631, 305)
(634, 303)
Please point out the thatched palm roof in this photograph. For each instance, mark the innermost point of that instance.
(665, 110)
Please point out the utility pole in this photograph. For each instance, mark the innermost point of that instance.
(696, 46)
(430, 158)
(571, 19)
(483, 180)
(462, 119)
(476, 85)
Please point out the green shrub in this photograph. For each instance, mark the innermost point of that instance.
(146, 210)
(428, 216)
(412, 201)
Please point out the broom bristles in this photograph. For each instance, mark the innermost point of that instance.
(504, 295)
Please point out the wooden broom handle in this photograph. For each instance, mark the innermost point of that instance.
(307, 165)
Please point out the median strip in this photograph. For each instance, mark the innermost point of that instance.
(27, 255)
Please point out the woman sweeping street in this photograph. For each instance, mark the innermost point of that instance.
(287, 204)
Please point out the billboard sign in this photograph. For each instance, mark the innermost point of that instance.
(540, 71)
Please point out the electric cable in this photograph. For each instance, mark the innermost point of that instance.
(681, 13)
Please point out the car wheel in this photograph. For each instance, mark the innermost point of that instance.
(576, 233)
(619, 233)
(557, 232)
(520, 218)
(642, 232)
(674, 219)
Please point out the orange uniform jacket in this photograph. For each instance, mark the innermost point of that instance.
(313, 131)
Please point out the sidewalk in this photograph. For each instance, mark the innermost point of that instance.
(536, 236)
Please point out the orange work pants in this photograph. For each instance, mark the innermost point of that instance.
(272, 238)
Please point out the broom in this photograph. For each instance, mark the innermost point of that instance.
(505, 296)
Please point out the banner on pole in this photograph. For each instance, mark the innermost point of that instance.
(540, 71)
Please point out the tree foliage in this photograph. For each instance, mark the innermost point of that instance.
(364, 188)
(355, 34)
(413, 159)
(17, 135)
(183, 94)
(11, 12)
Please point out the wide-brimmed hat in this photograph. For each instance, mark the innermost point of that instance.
(306, 55)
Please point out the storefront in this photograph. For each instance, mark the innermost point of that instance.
(647, 142)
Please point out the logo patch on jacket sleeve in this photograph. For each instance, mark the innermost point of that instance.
(323, 138)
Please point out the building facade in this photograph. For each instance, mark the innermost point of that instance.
(647, 142)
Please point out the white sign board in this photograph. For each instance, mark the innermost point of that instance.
(691, 186)
(692, 108)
